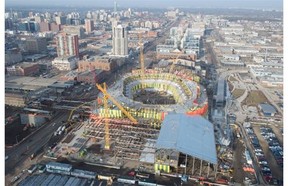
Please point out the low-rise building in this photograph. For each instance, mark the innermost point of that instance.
(91, 63)
(267, 109)
(17, 100)
(65, 63)
(92, 77)
(23, 69)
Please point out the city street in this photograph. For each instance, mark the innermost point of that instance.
(18, 154)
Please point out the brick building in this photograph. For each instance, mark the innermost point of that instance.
(23, 69)
(92, 77)
(103, 63)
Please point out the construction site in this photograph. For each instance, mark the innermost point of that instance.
(125, 125)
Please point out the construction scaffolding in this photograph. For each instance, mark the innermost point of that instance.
(128, 140)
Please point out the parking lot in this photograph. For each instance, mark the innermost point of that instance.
(268, 153)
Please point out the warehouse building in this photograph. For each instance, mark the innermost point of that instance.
(267, 109)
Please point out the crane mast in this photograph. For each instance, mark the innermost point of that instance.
(141, 54)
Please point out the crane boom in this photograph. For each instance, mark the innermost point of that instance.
(107, 133)
(173, 64)
(105, 93)
(69, 118)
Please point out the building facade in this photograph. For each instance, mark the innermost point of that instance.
(36, 45)
(106, 64)
(67, 45)
(89, 25)
(65, 63)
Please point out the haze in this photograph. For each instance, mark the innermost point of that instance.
(246, 4)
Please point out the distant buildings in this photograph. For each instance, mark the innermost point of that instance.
(75, 30)
(120, 41)
(46, 27)
(67, 45)
(65, 63)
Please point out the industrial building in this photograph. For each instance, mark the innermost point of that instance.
(267, 109)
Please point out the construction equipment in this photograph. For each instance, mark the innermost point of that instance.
(107, 134)
(173, 63)
(105, 93)
(72, 111)
(141, 57)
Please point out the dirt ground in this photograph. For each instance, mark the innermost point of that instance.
(238, 174)
(254, 98)
(237, 93)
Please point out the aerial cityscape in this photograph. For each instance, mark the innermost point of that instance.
(123, 94)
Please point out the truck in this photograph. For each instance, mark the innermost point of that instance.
(63, 128)
(32, 169)
(36, 152)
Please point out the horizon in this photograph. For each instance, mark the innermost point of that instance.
(160, 4)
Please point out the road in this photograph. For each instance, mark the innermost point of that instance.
(22, 151)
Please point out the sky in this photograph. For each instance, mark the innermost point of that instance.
(247, 4)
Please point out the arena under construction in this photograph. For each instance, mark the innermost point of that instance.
(126, 120)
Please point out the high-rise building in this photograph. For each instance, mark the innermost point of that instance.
(60, 20)
(89, 25)
(67, 45)
(120, 41)
(44, 27)
(55, 27)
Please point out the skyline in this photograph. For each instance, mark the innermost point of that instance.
(242, 4)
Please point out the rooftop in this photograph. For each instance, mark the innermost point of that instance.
(192, 135)
(267, 108)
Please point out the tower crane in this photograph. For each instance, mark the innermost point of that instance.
(107, 133)
(107, 96)
(173, 63)
(116, 103)
(141, 57)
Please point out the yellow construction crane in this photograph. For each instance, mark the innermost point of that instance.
(105, 93)
(173, 63)
(141, 57)
(107, 133)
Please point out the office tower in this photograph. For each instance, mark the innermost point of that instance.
(120, 41)
(89, 25)
(67, 45)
